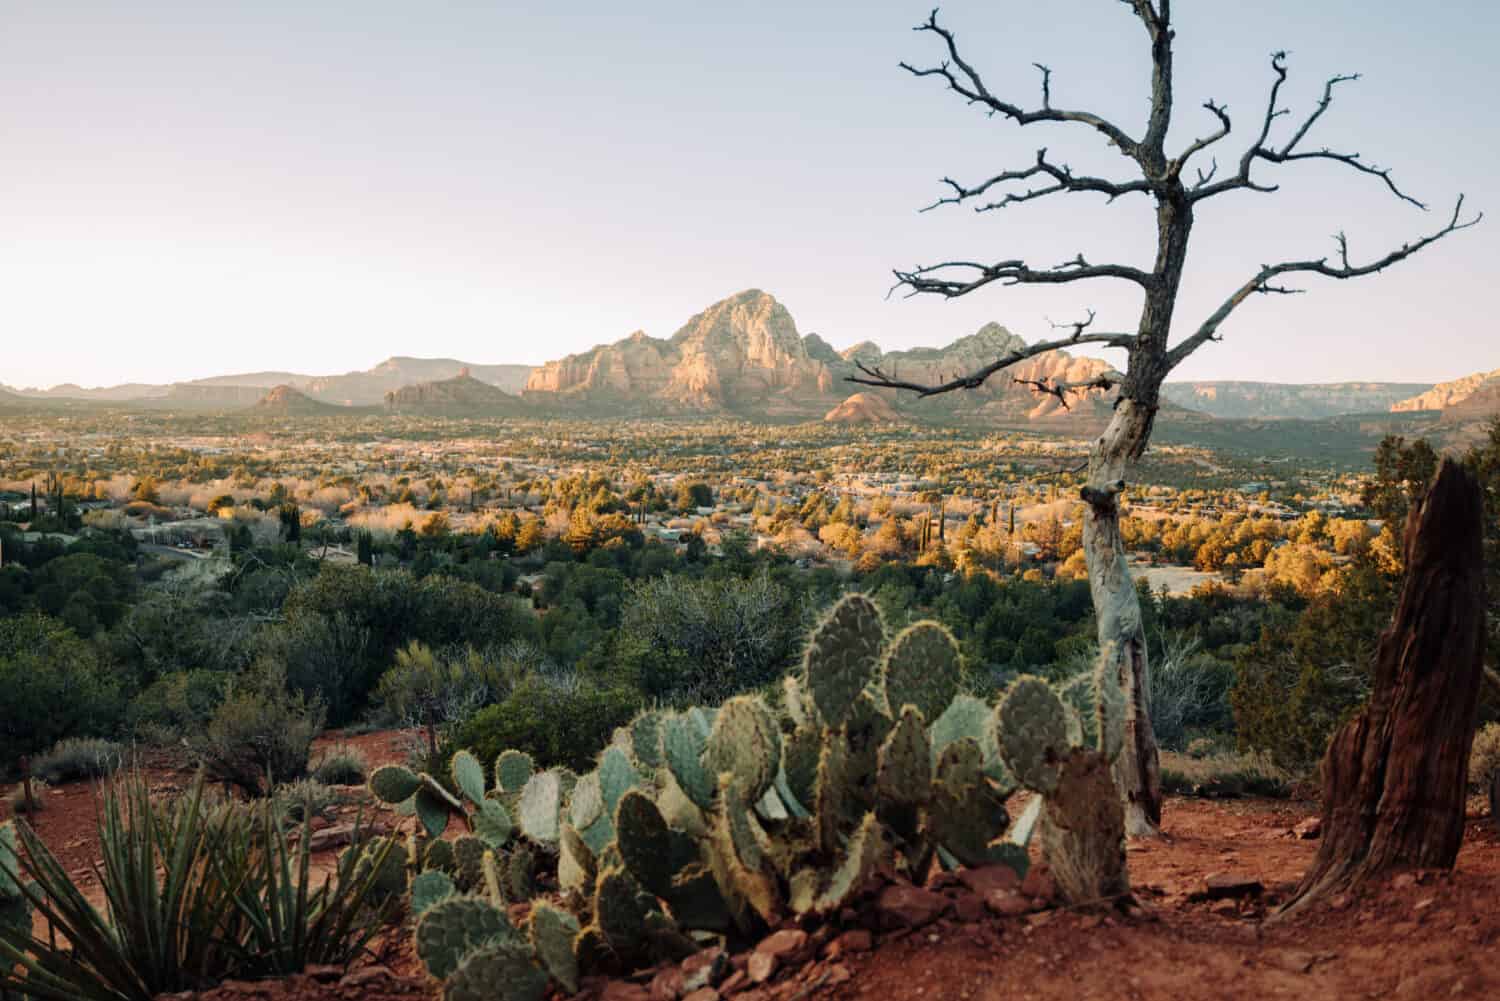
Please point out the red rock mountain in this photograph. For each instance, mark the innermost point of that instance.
(744, 356)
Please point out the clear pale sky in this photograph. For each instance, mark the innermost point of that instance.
(191, 188)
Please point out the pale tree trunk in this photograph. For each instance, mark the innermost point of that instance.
(1122, 638)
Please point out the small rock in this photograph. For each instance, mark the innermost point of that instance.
(968, 908)
(762, 967)
(1223, 886)
(736, 981)
(704, 969)
(1310, 829)
(667, 985)
(703, 994)
(328, 838)
(902, 906)
(1405, 881)
(1226, 908)
(856, 940)
(788, 945)
(1294, 960)
(1007, 903)
(368, 975)
(990, 877)
(1039, 883)
(837, 974)
(318, 822)
(623, 990)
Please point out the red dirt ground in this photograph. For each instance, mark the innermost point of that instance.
(1419, 935)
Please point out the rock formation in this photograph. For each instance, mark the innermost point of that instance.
(863, 408)
(286, 401)
(462, 395)
(1447, 394)
(1311, 401)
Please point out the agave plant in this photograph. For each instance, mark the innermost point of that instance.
(165, 905)
(192, 896)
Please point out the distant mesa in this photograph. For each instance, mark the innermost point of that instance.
(1480, 405)
(286, 401)
(462, 395)
(1447, 394)
(1276, 400)
(863, 408)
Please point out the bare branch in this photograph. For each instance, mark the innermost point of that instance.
(1014, 272)
(1262, 149)
(965, 81)
(874, 375)
(1261, 283)
(1060, 388)
(1062, 175)
(1174, 169)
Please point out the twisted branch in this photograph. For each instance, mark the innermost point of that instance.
(1344, 269)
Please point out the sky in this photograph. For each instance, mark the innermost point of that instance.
(190, 188)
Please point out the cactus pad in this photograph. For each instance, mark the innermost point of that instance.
(652, 852)
(468, 861)
(432, 811)
(439, 856)
(922, 668)
(468, 775)
(843, 656)
(616, 777)
(540, 806)
(512, 771)
(645, 739)
(746, 743)
(452, 928)
(492, 823)
(683, 739)
(551, 932)
(500, 971)
(966, 814)
(1032, 731)
(429, 888)
(394, 784)
(904, 771)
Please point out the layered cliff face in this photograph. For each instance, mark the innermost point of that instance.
(1447, 394)
(1308, 401)
(742, 352)
(744, 355)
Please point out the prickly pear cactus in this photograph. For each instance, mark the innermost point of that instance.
(922, 668)
(500, 971)
(843, 656)
(452, 928)
(429, 888)
(513, 769)
(1032, 731)
(746, 743)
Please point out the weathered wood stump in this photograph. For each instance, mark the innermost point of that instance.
(1394, 776)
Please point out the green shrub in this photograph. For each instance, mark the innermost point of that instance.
(176, 704)
(1223, 776)
(78, 758)
(342, 766)
(307, 798)
(1484, 758)
(54, 685)
(557, 723)
(261, 735)
(18, 802)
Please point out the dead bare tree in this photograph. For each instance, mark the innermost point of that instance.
(1161, 177)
